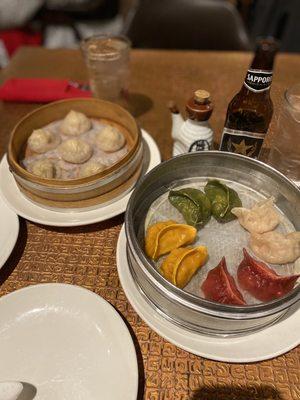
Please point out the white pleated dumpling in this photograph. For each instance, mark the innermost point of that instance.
(75, 123)
(275, 247)
(75, 151)
(110, 139)
(91, 168)
(45, 168)
(42, 140)
(263, 217)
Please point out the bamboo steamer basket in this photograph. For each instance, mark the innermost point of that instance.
(83, 192)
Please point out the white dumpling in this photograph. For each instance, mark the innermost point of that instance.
(297, 266)
(42, 140)
(75, 151)
(110, 139)
(45, 168)
(91, 168)
(75, 123)
(263, 217)
(275, 247)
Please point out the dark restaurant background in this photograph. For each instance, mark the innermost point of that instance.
(169, 24)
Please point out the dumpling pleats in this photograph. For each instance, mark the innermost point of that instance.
(261, 281)
(223, 199)
(163, 237)
(75, 123)
(193, 204)
(182, 264)
(220, 286)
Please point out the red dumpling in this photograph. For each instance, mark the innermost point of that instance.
(219, 286)
(262, 282)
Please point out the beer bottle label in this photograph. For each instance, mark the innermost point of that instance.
(258, 80)
(242, 142)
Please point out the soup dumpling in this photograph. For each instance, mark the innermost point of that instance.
(42, 140)
(75, 123)
(91, 168)
(75, 151)
(45, 168)
(110, 139)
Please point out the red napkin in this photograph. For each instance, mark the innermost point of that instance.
(41, 90)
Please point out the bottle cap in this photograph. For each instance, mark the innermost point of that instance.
(199, 107)
(201, 96)
(268, 43)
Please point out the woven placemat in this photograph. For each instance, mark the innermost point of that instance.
(86, 256)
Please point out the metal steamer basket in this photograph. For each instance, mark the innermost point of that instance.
(179, 306)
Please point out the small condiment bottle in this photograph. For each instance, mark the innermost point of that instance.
(194, 134)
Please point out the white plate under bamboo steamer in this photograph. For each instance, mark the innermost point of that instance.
(24, 207)
(68, 342)
(262, 345)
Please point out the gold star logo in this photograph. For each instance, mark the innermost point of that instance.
(242, 148)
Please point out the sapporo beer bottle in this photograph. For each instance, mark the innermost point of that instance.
(250, 111)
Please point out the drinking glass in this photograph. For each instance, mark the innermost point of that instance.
(285, 148)
(107, 60)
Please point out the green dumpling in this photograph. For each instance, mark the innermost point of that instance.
(222, 199)
(193, 204)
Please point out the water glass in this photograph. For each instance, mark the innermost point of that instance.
(107, 60)
(285, 148)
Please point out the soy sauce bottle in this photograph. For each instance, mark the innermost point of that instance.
(250, 111)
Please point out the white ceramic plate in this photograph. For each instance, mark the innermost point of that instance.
(9, 230)
(35, 213)
(265, 344)
(67, 342)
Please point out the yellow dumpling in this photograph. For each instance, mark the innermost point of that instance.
(165, 236)
(182, 264)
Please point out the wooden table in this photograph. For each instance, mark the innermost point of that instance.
(85, 256)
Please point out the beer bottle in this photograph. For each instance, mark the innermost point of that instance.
(250, 111)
